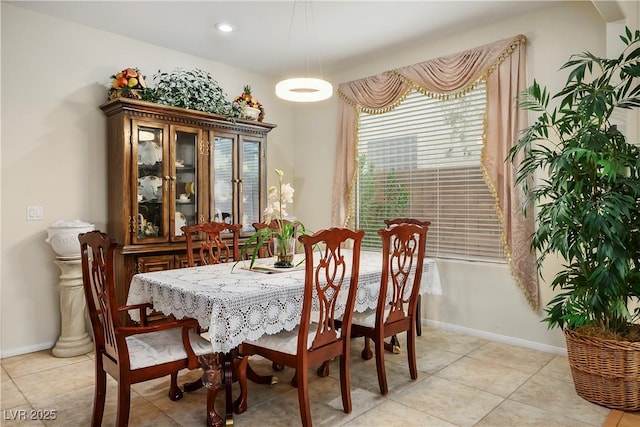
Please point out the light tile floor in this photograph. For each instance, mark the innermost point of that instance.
(462, 381)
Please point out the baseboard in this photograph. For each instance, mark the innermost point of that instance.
(613, 419)
(496, 337)
(24, 350)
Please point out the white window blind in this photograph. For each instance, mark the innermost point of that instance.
(422, 160)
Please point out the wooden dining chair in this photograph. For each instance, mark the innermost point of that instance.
(318, 339)
(403, 248)
(426, 224)
(213, 248)
(130, 354)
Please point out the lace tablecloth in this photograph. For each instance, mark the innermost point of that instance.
(239, 304)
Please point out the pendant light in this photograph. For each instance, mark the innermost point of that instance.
(304, 89)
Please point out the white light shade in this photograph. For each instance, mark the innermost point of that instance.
(304, 89)
(224, 27)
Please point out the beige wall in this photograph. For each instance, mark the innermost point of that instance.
(54, 77)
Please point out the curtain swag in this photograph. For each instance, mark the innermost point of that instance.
(502, 66)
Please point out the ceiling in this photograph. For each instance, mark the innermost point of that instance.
(279, 38)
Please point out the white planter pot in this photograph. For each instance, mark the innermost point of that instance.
(63, 237)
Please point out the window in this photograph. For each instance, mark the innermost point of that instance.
(422, 160)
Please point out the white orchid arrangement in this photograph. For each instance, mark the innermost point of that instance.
(280, 228)
(277, 199)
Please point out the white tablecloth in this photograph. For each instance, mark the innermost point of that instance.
(237, 305)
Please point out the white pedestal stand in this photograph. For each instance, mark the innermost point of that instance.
(74, 340)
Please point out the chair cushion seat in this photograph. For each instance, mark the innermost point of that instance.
(367, 318)
(154, 348)
(285, 341)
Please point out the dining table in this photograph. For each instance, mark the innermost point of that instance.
(239, 301)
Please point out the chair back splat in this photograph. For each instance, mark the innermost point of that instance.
(213, 248)
(390, 223)
(403, 249)
(318, 338)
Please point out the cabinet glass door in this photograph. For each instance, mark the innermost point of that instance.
(150, 213)
(223, 179)
(185, 194)
(250, 180)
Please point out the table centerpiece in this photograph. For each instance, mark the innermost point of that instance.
(280, 229)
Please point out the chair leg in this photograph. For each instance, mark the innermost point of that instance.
(99, 396)
(174, 391)
(419, 316)
(366, 352)
(345, 382)
(411, 354)
(124, 403)
(303, 397)
(382, 374)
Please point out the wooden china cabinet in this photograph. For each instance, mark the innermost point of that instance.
(168, 167)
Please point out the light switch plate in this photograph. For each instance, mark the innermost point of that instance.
(35, 213)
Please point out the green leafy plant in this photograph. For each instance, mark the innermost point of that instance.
(589, 205)
(193, 89)
(381, 197)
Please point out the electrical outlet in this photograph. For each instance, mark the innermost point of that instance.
(35, 213)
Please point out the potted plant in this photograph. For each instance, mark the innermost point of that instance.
(589, 214)
(279, 230)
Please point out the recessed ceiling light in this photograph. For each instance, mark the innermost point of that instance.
(225, 28)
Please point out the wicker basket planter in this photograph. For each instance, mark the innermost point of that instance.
(605, 372)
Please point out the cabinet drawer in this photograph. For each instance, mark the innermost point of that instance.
(147, 264)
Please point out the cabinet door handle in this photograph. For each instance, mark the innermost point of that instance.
(167, 177)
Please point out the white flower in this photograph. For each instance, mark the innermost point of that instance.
(269, 213)
(277, 199)
(286, 192)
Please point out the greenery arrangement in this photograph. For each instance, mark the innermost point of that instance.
(589, 205)
(193, 89)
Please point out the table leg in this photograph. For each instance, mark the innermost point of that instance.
(393, 346)
(240, 374)
(256, 378)
(220, 370)
(193, 386)
(212, 379)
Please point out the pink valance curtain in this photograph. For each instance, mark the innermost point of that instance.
(502, 66)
